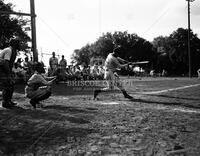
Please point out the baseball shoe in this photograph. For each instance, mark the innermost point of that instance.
(128, 97)
(7, 105)
(33, 103)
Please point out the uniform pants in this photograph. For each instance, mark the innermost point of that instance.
(112, 80)
(6, 85)
(40, 94)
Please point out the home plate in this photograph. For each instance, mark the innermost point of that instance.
(110, 103)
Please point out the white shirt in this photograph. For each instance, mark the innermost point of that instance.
(112, 63)
(53, 62)
(37, 78)
(63, 63)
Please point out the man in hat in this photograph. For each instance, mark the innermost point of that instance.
(112, 64)
(7, 59)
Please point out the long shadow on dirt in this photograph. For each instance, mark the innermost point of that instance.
(34, 138)
(167, 103)
(42, 115)
(175, 97)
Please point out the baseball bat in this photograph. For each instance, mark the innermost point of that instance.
(137, 63)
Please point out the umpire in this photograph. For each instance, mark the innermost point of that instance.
(7, 59)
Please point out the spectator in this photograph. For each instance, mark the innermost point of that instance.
(164, 72)
(85, 73)
(63, 63)
(94, 71)
(19, 72)
(69, 73)
(61, 71)
(152, 73)
(101, 71)
(53, 63)
(31, 60)
(38, 86)
(27, 65)
(77, 72)
(19, 62)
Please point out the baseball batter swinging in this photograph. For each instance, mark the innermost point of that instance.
(112, 64)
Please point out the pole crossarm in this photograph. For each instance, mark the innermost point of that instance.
(33, 25)
(190, 0)
(17, 13)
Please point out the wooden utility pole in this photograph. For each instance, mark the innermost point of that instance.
(189, 52)
(33, 30)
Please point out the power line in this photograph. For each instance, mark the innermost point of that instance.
(58, 36)
(157, 20)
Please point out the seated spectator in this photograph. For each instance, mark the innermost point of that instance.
(19, 72)
(164, 72)
(97, 72)
(31, 61)
(152, 73)
(101, 72)
(27, 65)
(38, 86)
(86, 73)
(19, 61)
(61, 74)
(77, 72)
(94, 71)
(69, 73)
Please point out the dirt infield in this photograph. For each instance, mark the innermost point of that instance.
(162, 120)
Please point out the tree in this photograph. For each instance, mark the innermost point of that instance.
(11, 27)
(173, 54)
(178, 40)
(135, 48)
(162, 48)
(82, 56)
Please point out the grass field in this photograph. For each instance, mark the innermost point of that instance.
(162, 120)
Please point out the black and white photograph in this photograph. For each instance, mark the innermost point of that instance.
(99, 78)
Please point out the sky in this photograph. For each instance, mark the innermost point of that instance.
(65, 25)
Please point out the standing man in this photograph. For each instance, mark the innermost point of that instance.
(7, 59)
(62, 69)
(112, 64)
(63, 63)
(53, 63)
